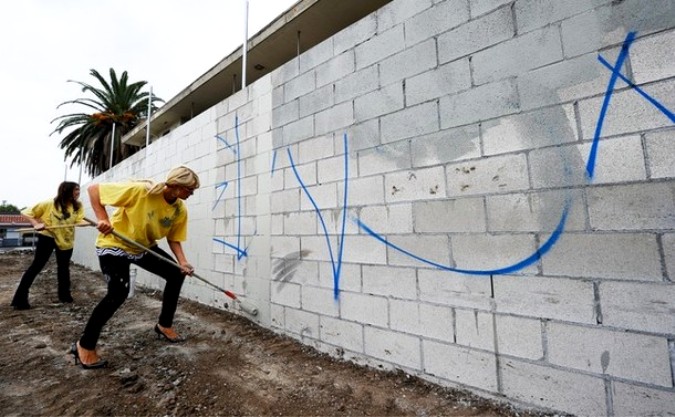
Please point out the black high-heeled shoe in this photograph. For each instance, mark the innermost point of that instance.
(173, 338)
(99, 364)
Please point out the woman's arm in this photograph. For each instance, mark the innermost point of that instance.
(177, 249)
(103, 225)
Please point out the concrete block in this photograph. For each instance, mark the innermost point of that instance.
(661, 153)
(551, 388)
(453, 289)
(356, 84)
(645, 307)
(355, 34)
(336, 68)
(409, 122)
(475, 35)
(284, 245)
(386, 100)
(409, 62)
(334, 118)
(565, 81)
(521, 337)
(441, 81)
(632, 207)
(478, 104)
(446, 146)
(316, 55)
(397, 12)
(302, 223)
(363, 135)
(632, 356)
(277, 317)
(319, 300)
(432, 248)
(538, 211)
(426, 320)
(286, 72)
(285, 294)
(284, 114)
(608, 25)
(363, 191)
(669, 251)
(546, 297)
(314, 149)
(342, 333)
(484, 252)
(418, 184)
(461, 365)
(365, 250)
(324, 196)
(302, 323)
(298, 131)
(649, 57)
(541, 47)
(497, 174)
(536, 129)
(382, 45)
(348, 279)
(635, 400)
(464, 215)
(286, 201)
(393, 218)
(394, 347)
(436, 20)
(618, 160)
(384, 158)
(628, 112)
(363, 308)
(475, 329)
(605, 255)
(299, 86)
(390, 282)
(479, 7)
(333, 169)
(315, 102)
(535, 14)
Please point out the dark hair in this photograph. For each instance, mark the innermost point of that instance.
(65, 196)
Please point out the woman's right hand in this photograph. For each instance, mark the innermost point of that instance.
(39, 226)
(104, 226)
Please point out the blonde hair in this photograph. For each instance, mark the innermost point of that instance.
(180, 175)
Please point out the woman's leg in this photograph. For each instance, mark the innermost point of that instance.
(174, 282)
(63, 274)
(43, 250)
(116, 271)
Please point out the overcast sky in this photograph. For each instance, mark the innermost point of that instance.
(45, 43)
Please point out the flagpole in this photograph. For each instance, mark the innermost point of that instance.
(147, 125)
(112, 146)
(244, 46)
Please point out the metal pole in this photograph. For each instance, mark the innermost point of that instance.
(244, 47)
(112, 147)
(79, 177)
(147, 125)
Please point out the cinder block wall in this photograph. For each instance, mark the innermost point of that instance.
(476, 192)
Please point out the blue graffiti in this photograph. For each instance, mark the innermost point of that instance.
(222, 185)
(241, 252)
(335, 263)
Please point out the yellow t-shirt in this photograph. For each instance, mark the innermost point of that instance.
(48, 214)
(141, 216)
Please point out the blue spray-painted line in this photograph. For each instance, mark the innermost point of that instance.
(505, 270)
(640, 91)
(223, 184)
(616, 69)
(226, 144)
(336, 265)
(240, 252)
(274, 163)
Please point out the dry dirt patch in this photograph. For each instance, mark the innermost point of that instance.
(228, 366)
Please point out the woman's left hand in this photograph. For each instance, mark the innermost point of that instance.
(186, 268)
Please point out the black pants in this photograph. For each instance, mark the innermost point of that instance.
(43, 250)
(116, 271)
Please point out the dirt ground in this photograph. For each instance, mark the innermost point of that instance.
(229, 366)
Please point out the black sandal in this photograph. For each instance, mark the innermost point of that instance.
(73, 351)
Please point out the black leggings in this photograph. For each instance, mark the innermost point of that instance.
(43, 250)
(116, 270)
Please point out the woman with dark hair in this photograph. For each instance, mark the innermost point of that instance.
(55, 220)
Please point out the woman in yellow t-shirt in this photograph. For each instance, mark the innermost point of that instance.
(65, 209)
(145, 213)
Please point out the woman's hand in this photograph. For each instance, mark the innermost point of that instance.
(186, 268)
(104, 226)
(39, 226)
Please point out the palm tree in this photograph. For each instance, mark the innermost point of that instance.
(116, 103)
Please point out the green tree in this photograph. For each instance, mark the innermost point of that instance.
(9, 208)
(116, 103)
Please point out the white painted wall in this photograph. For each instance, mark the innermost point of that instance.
(468, 128)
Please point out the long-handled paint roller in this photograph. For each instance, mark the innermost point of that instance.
(244, 306)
